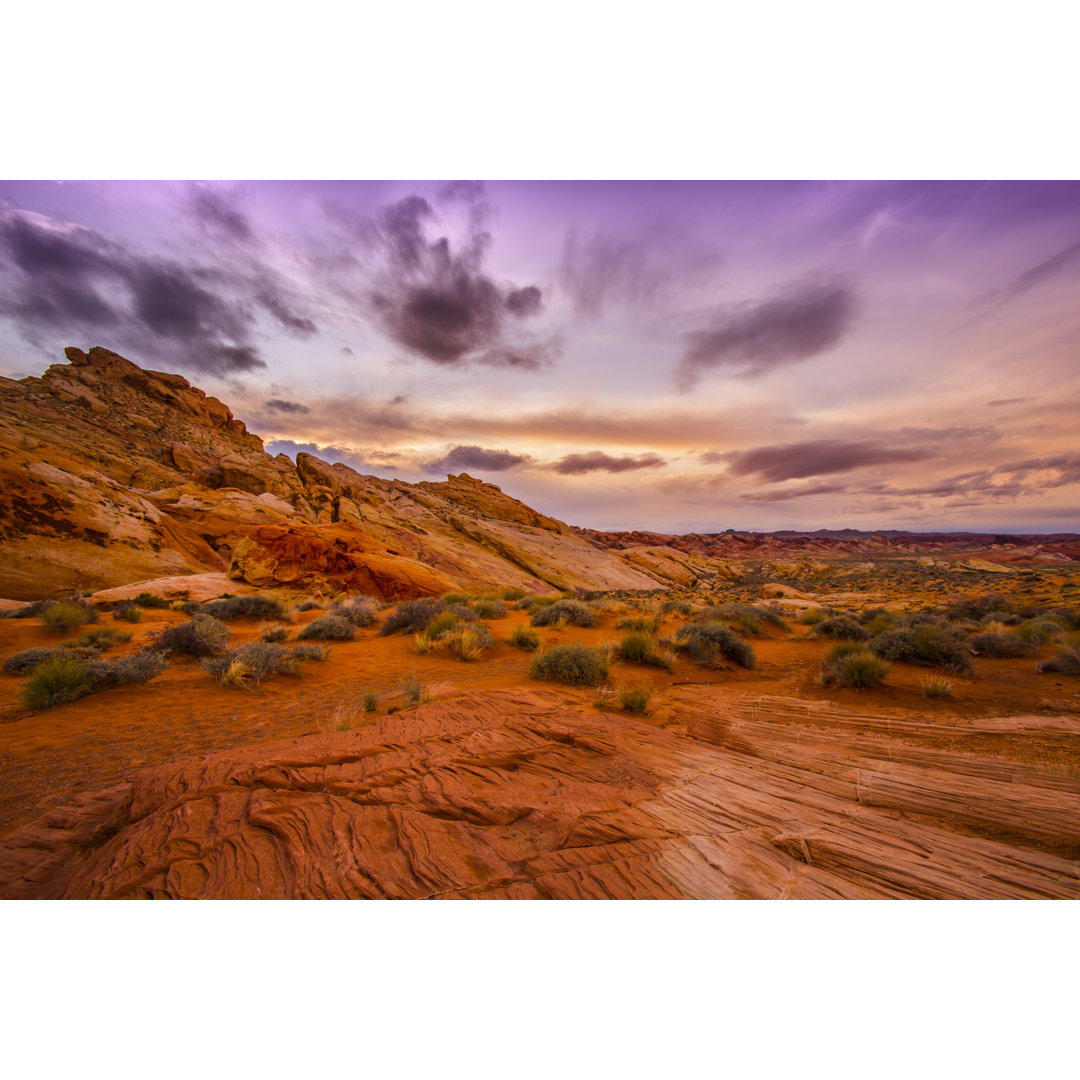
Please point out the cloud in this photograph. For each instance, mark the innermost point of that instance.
(998, 402)
(61, 282)
(597, 461)
(809, 319)
(436, 301)
(277, 405)
(785, 494)
(599, 269)
(463, 458)
(819, 457)
(1031, 278)
(218, 213)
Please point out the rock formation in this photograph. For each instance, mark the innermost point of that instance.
(517, 794)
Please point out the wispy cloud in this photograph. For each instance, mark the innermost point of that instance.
(818, 457)
(597, 461)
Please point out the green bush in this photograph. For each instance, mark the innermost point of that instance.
(842, 627)
(854, 667)
(1038, 632)
(638, 622)
(574, 664)
(455, 598)
(676, 607)
(311, 652)
(490, 609)
(63, 616)
(812, 616)
(439, 625)
(638, 647)
(148, 600)
(328, 628)
(933, 686)
(254, 606)
(524, 638)
(924, 640)
(467, 643)
(413, 688)
(510, 595)
(131, 613)
(371, 700)
(202, 636)
(534, 603)
(572, 611)
(102, 638)
(634, 699)
(709, 642)
(56, 681)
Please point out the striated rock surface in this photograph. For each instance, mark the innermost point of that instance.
(517, 794)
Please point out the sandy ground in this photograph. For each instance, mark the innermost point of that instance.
(47, 758)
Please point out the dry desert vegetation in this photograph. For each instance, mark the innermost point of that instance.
(229, 675)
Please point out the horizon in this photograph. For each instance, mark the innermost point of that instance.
(673, 357)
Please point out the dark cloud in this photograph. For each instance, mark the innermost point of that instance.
(217, 213)
(821, 457)
(600, 269)
(278, 405)
(463, 458)
(60, 282)
(597, 461)
(998, 402)
(809, 319)
(346, 351)
(436, 301)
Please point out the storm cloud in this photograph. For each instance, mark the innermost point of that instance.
(63, 281)
(435, 300)
(807, 320)
(597, 461)
(820, 457)
(462, 458)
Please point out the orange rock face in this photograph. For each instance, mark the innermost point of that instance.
(516, 794)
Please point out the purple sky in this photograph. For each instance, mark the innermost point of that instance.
(671, 356)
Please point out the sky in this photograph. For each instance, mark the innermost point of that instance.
(670, 356)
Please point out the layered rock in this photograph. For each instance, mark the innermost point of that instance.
(515, 794)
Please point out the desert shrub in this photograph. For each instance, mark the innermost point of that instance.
(924, 641)
(311, 652)
(29, 659)
(524, 638)
(328, 628)
(997, 646)
(273, 633)
(574, 664)
(412, 688)
(676, 607)
(510, 595)
(639, 647)
(467, 643)
(842, 627)
(360, 611)
(976, 607)
(422, 644)
(56, 681)
(309, 605)
(1001, 618)
(934, 686)
(641, 623)
(812, 616)
(634, 699)
(255, 606)
(370, 700)
(855, 667)
(534, 603)
(252, 662)
(137, 667)
(455, 598)
(63, 616)
(101, 638)
(149, 600)
(709, 642)
(1038, 632)
(571, 611)
(1068, 617)
(28, 611)
(131, 613)
(463, 612)
(440, 624)
(1066, 661)
(490, 609)
(202, 636)
(411, 616)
